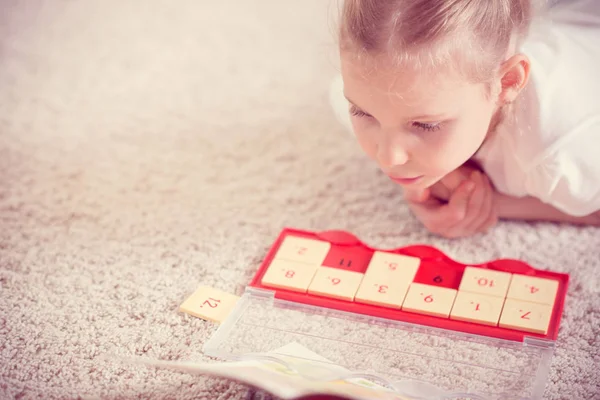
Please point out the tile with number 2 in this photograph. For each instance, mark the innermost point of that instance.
(308, 251)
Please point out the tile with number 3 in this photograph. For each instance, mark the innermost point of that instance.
(378, 291)
(335, 283)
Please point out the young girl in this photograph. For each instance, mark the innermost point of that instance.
(476, 108)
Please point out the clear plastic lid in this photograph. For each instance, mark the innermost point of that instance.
(415, 361)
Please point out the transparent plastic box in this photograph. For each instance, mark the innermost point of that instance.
(418, 362)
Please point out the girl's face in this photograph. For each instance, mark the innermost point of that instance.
(418, 127)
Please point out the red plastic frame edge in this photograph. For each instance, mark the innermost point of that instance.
(344, 238)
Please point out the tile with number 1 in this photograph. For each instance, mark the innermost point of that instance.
(335, 283)
(477, 308)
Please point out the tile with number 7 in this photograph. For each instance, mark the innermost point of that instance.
(525, 316)
(335, 283)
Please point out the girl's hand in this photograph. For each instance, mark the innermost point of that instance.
(458, 206)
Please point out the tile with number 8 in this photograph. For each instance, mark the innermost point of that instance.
(335, 283)
(379, 291)
(477, 308)
(525, 316)
(429, 300)
(299, 249)
(485, 281)
(289, 275)
(530, 288)
(209, 304)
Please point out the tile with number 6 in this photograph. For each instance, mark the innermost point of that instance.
(335, 283)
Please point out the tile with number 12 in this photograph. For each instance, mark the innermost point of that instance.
(209, 304)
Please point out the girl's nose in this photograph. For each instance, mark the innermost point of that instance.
(390, 155)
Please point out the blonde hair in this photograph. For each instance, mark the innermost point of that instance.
(473, 36)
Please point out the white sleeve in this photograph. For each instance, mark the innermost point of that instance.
(568, 178)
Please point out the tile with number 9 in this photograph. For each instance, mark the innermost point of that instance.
(429, 300)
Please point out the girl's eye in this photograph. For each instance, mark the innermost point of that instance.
(356, 112)
(427, 126)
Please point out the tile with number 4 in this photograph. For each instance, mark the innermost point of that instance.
(430, 300)
(209, 304)
(289, 275)
(485, 281)
(335, 283)
(530, 288)
(477, 308)
(525, 316)
(379, 291)
(304, 250)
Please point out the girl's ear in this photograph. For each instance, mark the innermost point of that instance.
(514, 75)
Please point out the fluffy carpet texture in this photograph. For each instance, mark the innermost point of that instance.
(149, 146)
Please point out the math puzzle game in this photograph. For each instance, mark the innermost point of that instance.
(412, 319)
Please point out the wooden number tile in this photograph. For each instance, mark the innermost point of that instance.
(335, 283)
(485, 281)
(209, 304)
(536, 290)
(294, 276)
(477, 308)
(308, 251)
(525, 316)
(430, 300)
(380, 291)
(396, 266)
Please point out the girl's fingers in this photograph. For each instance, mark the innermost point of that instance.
(482, 210)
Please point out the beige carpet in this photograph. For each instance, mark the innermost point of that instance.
(148, 146)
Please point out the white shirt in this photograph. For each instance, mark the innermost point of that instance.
(551, 150)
